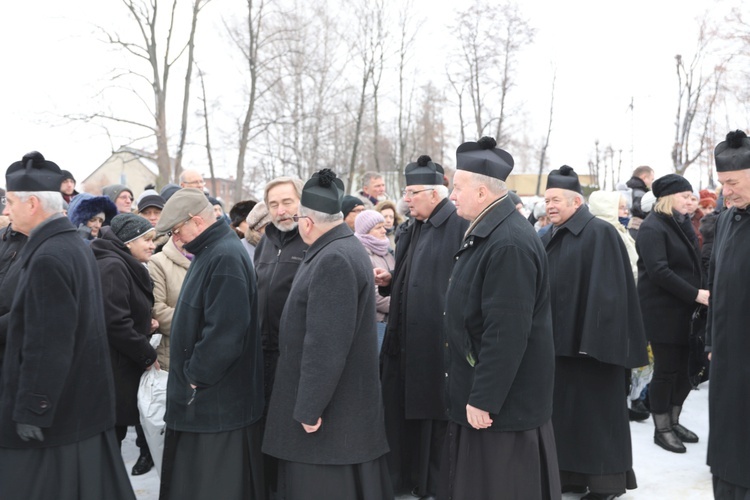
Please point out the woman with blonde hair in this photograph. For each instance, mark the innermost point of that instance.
(670, 287)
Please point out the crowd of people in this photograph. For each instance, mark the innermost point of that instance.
(321, 345)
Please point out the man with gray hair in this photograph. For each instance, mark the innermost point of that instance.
(499, 353)
(57, 412)
(413, 378)
(599, 338)
(325, 420)
(215, 397)
(277, 258)
(192, 179)
(373, 189)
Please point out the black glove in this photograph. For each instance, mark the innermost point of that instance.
(27, 432)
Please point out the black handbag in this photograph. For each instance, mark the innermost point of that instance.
(698, 361)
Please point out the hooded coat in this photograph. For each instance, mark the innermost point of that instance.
(606, 206)
(127, 296)
(84, 206)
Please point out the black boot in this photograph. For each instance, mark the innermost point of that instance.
(663, 435)
(637, 411)
(143, 465)
(685, 435)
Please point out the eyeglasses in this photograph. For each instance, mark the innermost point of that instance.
(195, 183)
(296, 218)
(178, 228)
(124, 197)
(408, 193)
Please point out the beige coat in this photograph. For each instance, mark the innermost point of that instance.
(606, 205)
(167, 269)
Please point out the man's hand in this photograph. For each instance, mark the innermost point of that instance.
(478, 419)
(702, 297)
(382, 276)
(28, 432)
(312, 428)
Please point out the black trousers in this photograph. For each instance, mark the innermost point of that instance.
(140, 439)
(670, 384)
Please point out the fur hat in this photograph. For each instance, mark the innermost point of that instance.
(258, 217)
(84, 206)
(239, 212)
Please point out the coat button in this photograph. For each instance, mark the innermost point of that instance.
(738, 217)
(446, 374)
(43, 405)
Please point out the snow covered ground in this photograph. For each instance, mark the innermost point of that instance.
(660, 474)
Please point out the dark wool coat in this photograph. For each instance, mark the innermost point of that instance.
(57, 372)
(500, 352)
(669, 276)
(215, 342)
(328, 363)
(595, 307)
(414, 342)
(277, 258)
(729, 340)
(128, 298)
(11, 243)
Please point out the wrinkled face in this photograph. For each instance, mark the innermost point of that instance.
(389, 216)
(560, 207)
(351, 216)
(142, 248)
(283, 203)
(378, 231)
(623, 208)
(375, 188)
(68, 186)
(124, 202)
(95, 223)
(465, 195)
(681, 202)
(185, 232)
(151, 214)
(419, 200)
(736, 187)
(19, 212)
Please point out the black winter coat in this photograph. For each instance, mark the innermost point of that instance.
(728, 339)
(11, 243)
(500, 355)
(669, 276)
(127, 293)
(414, 337)
(57, 372)
(595, 308)
(639, 189)
(215, 339)
(277, 258)
(328, 363)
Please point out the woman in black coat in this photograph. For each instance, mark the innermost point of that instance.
(121, 252)
(670, 278)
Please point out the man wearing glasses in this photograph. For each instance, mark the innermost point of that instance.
(192, 179)
(413, 376)
(215, 397)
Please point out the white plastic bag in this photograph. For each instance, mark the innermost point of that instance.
(152, 404)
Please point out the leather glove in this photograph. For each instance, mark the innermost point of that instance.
(27, 432)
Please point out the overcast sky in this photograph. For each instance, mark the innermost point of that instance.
(604, 53)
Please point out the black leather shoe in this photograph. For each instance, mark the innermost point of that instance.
(637, 411)
(142, 466)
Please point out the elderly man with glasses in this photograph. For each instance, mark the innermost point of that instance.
(192, 179)
(413, 375)
(215, 398)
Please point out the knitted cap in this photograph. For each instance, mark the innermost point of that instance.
(348, 203)
(670, 184)
(129, 227)
(366, 220)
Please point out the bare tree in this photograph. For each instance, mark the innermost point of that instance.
(697, 94)
(490, 37)
(545, 145)
(407, 34)
(209, 153)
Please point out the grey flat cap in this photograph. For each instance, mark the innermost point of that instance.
(182, 205)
